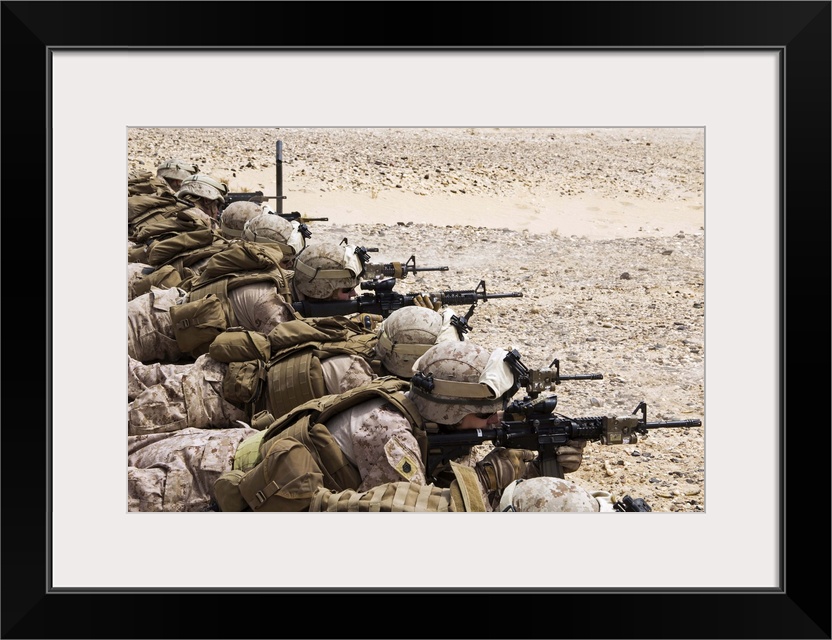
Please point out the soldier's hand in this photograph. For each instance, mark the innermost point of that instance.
(502, 466)
(369, 320)
(570, 455)
(424, 300)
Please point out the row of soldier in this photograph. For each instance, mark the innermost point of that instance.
(236, 402)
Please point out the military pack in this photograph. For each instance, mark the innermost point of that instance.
(147, 208)
(208, 311)
(280, 468)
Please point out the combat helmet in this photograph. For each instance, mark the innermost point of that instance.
(270, 227)
(176, 169)
(453, 379)
(546, 493)
(236, 215)
(408, 332)
(321, 269)
(203, 186)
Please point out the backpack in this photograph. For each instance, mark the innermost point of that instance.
(147, 208)
(239, 264)
(298, 349)
(180, 239)
(297, 454)
(208, 311)
(139, 181)
(291, 372)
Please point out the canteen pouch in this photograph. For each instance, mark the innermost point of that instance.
(243, 381)
(285, 480)
(227, 492)
(196, 324)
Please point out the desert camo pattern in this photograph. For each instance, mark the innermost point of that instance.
(235, 216)
(550, 494)
(150, 334)
(134, 274)
(190, 397)
(344, 372)
(140, 376)
(379, 441)
(450, 361)
(176, 471)
(259, 307)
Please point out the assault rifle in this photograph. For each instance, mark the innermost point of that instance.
(390, 269)
(535, 381)
(629, 504)
(397, 270)
(384, 300)
(258, 198)
(531, 424)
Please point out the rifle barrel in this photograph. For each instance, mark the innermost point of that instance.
(671, 423)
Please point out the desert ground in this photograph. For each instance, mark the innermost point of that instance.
(601, 230)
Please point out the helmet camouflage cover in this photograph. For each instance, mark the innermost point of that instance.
(270, 227)
(456, 362)
(203, 186)
(235, 216)
(321, 269)
(410, 331)
(546, 493)
(176, 169)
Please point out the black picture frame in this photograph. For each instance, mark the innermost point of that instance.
(800, 608)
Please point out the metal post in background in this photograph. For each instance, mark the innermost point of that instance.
(279, 169)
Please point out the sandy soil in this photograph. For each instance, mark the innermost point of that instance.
(602, 230)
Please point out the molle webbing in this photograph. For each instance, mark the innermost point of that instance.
(390, 497)
(293, 381)
(465, 491)
(220, 289)
(320, 409)
(220, 286)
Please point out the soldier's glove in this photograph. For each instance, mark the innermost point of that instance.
(424, 300)
(503, 466)
(369, 320)
(570, 455)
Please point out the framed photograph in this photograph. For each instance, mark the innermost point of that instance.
(753, 76)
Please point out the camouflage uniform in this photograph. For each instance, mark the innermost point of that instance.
(150, 334)
(174, 397)
(140, 376)
(134, 274)
(150, 337)
(379, 441)
(189, 397)
(177, 471)
(259, 307)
